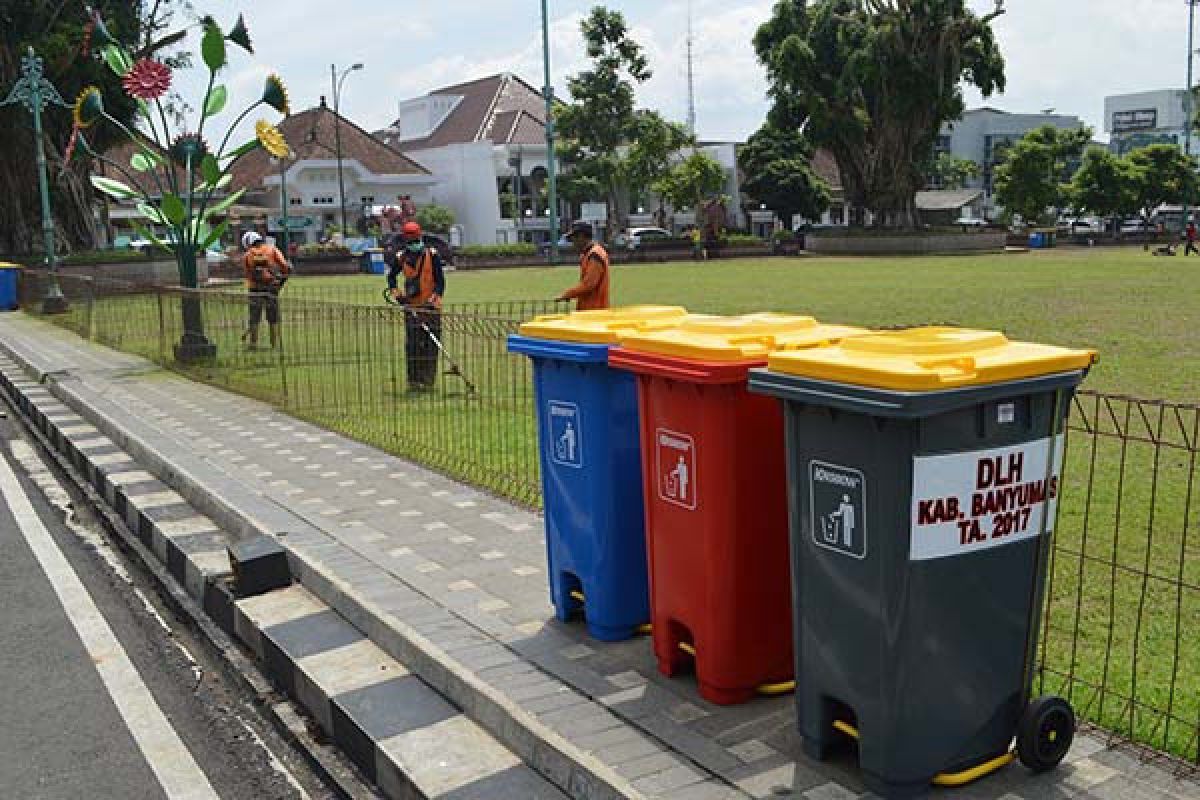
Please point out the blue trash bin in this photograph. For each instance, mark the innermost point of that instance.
(9, 276)
(375, 263)
(591, 466)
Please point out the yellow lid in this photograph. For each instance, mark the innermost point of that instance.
(9, 265)
(607, 326)
(750, 337)
(928, 359)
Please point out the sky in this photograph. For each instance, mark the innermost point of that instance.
(1061, 54)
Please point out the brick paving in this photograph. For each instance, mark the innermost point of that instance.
(470, 569)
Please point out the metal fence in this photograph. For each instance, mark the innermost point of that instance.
(1123, 596)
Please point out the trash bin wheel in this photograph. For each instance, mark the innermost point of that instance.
(1045, 733)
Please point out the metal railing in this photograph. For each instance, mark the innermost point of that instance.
(1123, 595)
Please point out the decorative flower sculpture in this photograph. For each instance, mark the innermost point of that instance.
(89, 107)
(147, 79)
(271, 139)
(182, 199)
(189, 148)
(275, 94)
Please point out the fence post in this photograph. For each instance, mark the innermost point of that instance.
(162, 327)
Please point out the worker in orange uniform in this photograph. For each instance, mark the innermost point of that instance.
(424, 284)
(592, 290)
(266, 272)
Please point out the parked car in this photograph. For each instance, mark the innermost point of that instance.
(1137, 225)
(636, 238)
(970, 222)
(1081, 225)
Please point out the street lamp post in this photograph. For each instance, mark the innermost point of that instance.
(551, 165)
(1187, 104)
(35, 92)
(285, 235)
(337, 82)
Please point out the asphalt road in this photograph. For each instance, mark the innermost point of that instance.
(103, 693)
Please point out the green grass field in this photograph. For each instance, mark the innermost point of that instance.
(1140, 312)
(1124, 599)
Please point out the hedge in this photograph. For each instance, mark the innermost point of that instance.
(496, 250)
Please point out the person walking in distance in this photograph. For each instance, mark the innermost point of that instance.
(592, 290)
(266, 271)
(421, 295)
(1190, 235)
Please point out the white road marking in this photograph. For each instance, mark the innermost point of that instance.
(177, 772)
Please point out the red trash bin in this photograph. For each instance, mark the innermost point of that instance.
(716, 508)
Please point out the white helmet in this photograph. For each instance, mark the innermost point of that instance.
(250, 239)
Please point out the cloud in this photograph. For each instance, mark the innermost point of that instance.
(1065, 55)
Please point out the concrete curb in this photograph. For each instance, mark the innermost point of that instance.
(355, 691)
(226, 501)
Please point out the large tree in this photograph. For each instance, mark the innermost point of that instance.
(601, 120)
(779, 174)
(1166, 176)
(875, 80)
(950, 172)
(58, 32)
(1108, 186)
(1036, 172)
(648, 159)
(691, 181)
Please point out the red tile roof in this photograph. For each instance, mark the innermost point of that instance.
(311, 136)
(499, 108)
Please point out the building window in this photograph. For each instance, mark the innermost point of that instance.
(368, 200)
(295, 201)
(322, 200)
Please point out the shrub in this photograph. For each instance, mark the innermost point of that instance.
(115, 256)
(496, 250)
(435, 219)
(324, 251)
(741, 240)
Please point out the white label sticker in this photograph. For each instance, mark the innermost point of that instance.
(1006, 413)
(675, 464)
(565, 441)
(966, 502)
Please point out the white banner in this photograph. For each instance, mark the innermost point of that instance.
(967, 502)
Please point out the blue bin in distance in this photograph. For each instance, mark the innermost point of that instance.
(592, 485)
(375, 263)
(9, 276)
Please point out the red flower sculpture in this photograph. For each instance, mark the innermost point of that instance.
(147, 79)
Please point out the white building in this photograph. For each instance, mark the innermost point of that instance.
(1136, 120)
(373, 174)
(485, 142)
(983, 134)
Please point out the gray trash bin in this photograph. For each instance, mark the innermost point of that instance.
(920, 473)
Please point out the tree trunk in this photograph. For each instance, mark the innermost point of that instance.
(20, 204)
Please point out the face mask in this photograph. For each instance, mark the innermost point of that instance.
(415, 247)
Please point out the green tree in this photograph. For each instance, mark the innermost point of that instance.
(57, 32)
(1167, 176)
(951, 172)
(691, 181)
(778, 168)
(435, 218)
(1037, 169)
(1108, 186)
(875, 80)
(648, 158)
(601, 118)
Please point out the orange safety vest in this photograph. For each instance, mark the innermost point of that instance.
(598, 297)
(263, 270)
(422, 274)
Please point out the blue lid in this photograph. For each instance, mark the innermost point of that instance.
(564, 351)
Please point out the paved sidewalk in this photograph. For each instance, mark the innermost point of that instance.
(452, 582)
